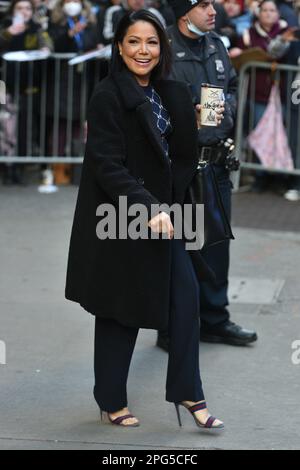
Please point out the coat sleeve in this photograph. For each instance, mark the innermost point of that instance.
(106, 152)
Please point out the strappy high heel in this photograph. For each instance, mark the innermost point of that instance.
(192, 409)
(119, 420)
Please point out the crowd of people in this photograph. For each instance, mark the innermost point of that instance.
(78, 26)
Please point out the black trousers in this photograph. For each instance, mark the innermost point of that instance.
(214, 296)
(114, 343)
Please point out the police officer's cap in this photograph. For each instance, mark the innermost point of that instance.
(181, 7)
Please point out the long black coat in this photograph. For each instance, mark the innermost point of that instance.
(128, 280)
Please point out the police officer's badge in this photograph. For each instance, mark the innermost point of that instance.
(219, 66)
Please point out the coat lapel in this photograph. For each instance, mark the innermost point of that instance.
(135, 99)
(167, 93)
(183, 142)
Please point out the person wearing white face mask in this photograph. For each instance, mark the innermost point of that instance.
(72, 8)
(72, 26)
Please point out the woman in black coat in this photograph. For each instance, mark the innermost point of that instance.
(141, 145)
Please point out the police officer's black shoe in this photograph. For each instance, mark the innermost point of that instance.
(163, 341)
(227, 333)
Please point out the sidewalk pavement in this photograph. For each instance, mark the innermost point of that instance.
(46, 383)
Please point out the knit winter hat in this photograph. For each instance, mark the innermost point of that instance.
(181, 7)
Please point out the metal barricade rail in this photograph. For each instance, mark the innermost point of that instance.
(43, 131)
(44, 92)
(246, 109)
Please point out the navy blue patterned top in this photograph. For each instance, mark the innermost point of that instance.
(161, 115)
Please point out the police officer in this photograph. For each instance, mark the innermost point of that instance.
(200, 57)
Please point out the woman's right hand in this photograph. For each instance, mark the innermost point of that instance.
(161, 223)
(17, 28)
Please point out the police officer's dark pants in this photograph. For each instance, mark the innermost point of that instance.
(114, 343)
(214, 299)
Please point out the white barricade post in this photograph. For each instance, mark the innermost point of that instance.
(2, 352)
(2, 92)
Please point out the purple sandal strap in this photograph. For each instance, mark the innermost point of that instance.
(121, 418)
(210, 422)
(197, 407)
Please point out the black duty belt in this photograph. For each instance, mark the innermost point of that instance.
(212, 154)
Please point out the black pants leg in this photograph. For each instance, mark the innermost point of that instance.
(114, 343)
(214, 298)
(183, 376)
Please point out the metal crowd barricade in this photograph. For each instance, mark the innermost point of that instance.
(246, 109)
(39, 147)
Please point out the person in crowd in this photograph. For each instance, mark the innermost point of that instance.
(239, 15)
(4, 7)
(20, 32)
(72, 28)
(150, 158)
(201, 57)
(271, 34)
(223, 25)
(104, 18)
(292, 57)
(287, 12)
(115, 15)
(164, 9)
(42, 10)
(109, 20)
(296, 7)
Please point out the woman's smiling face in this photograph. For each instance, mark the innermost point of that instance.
(140, 50)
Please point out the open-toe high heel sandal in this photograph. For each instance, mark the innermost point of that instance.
(192, 409)
(119, 420)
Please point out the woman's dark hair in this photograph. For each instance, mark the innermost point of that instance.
(163, 68)
(14, 3)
